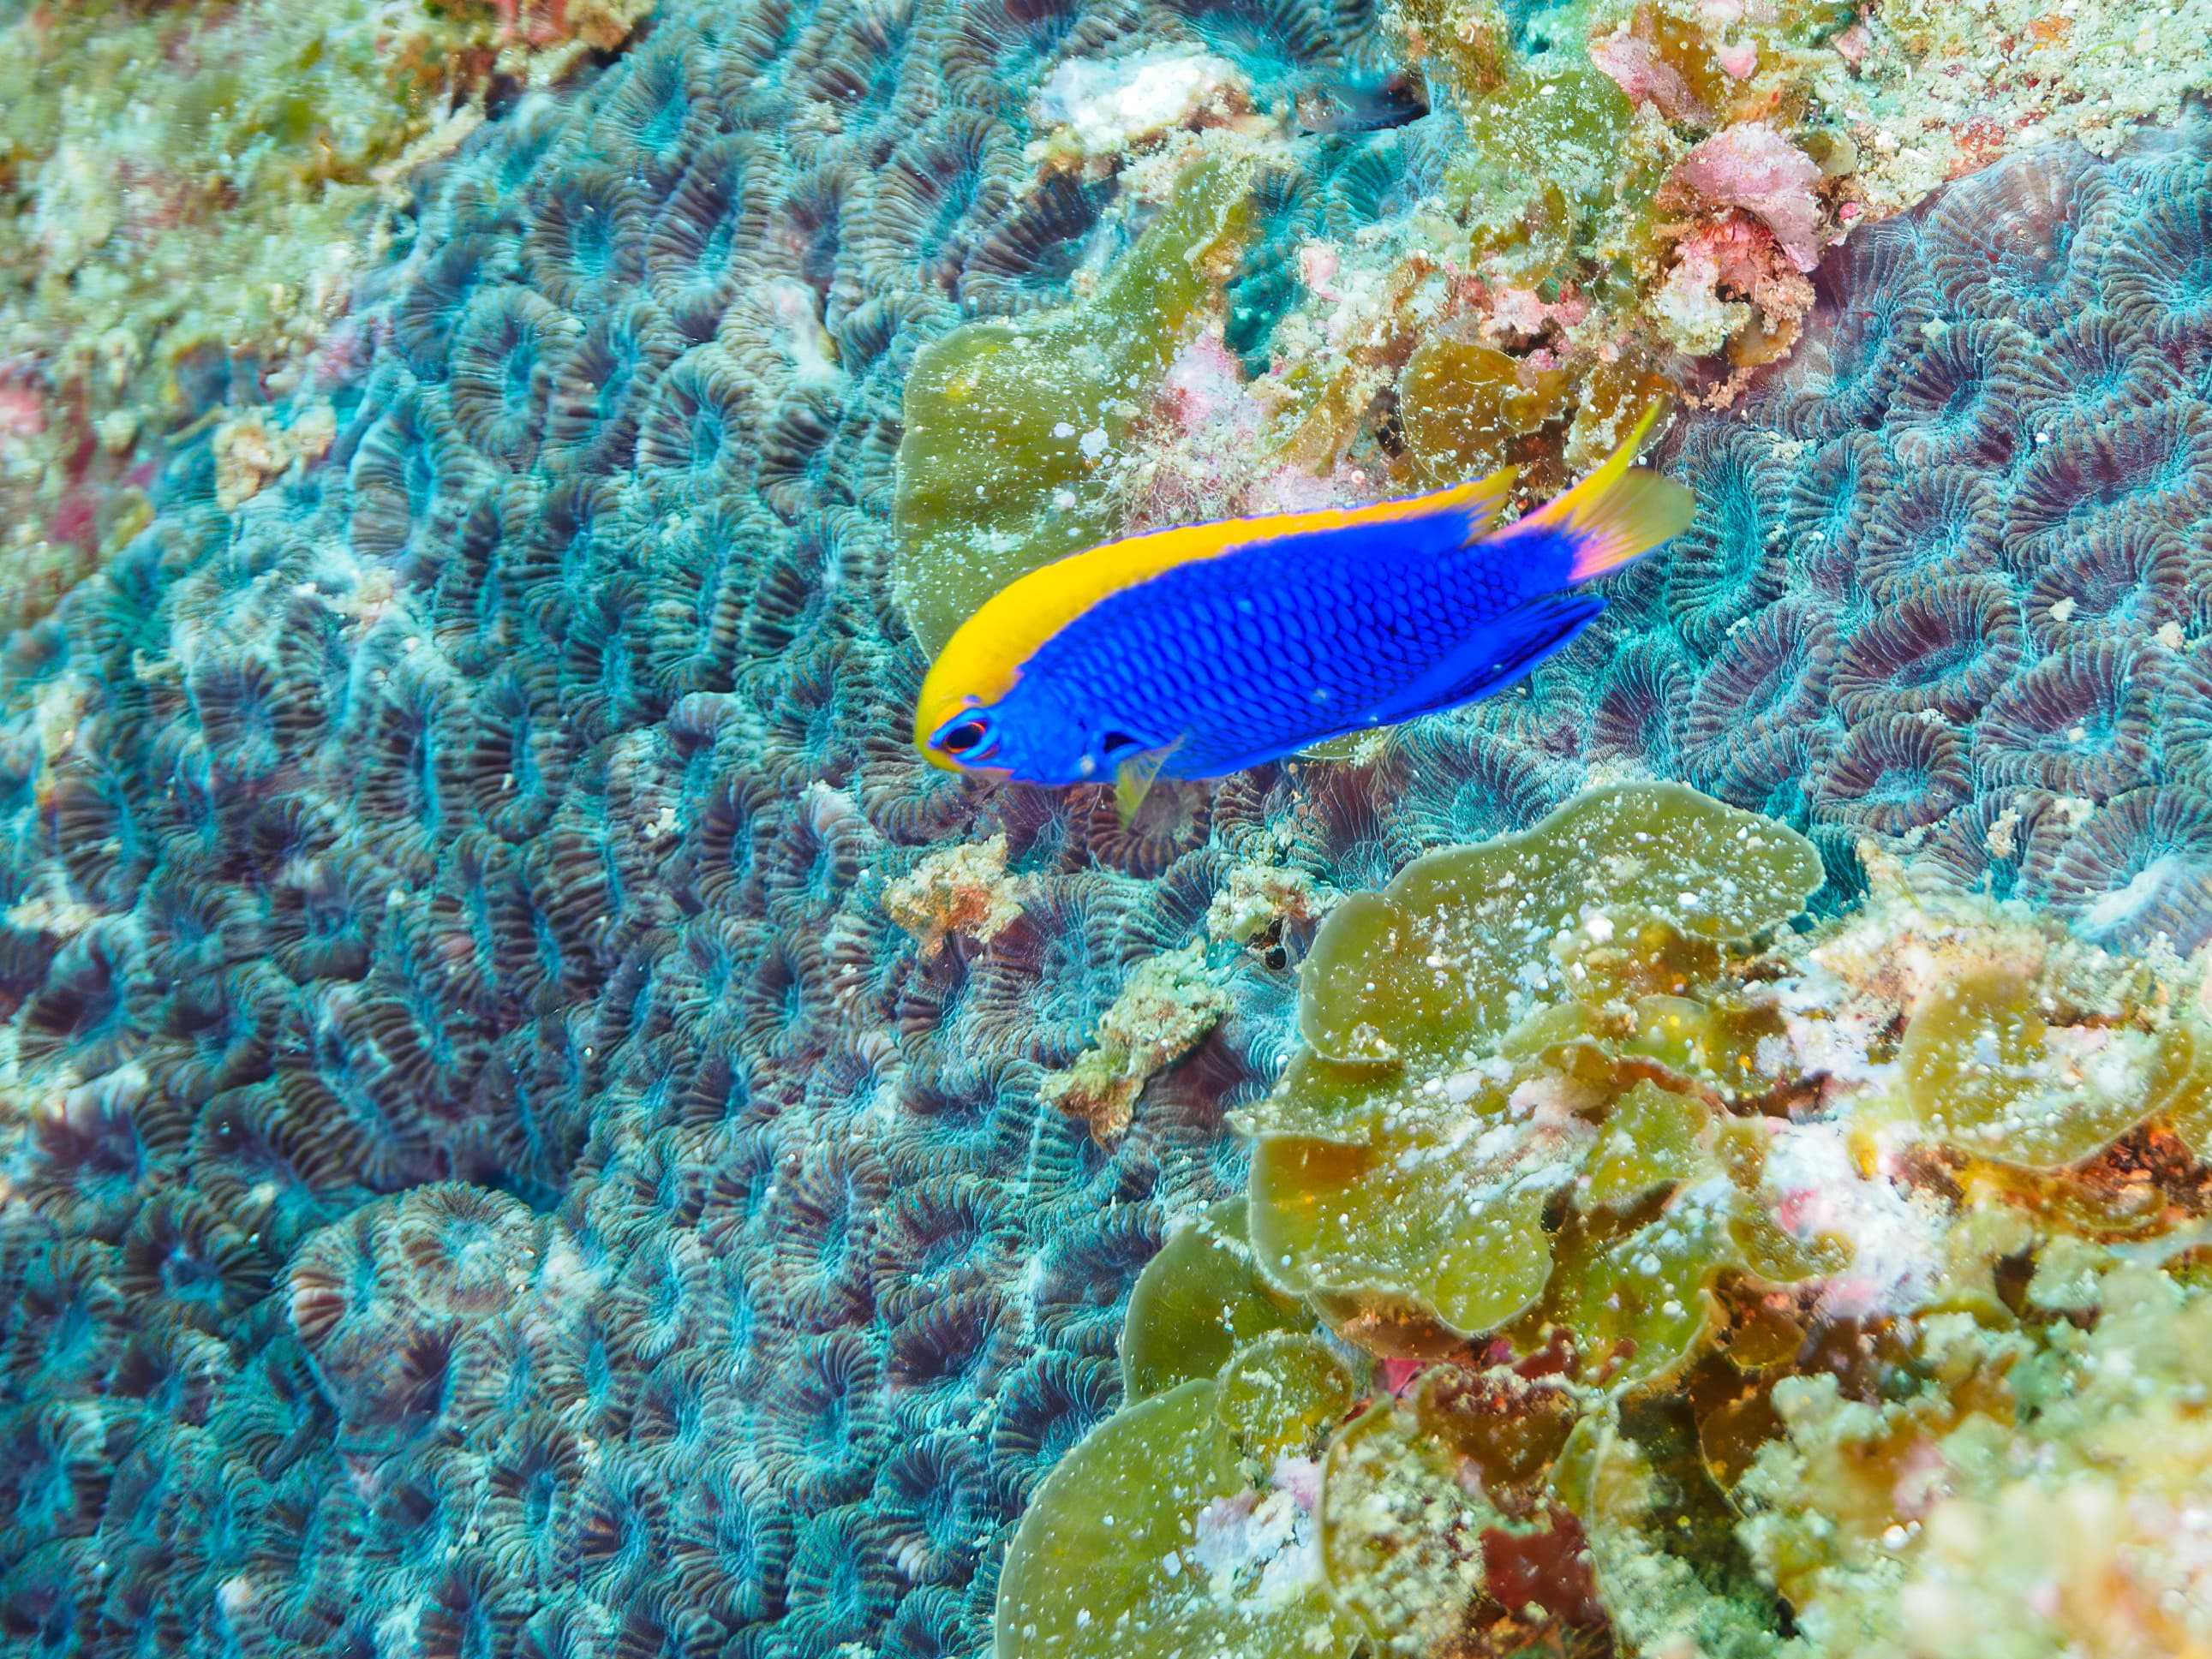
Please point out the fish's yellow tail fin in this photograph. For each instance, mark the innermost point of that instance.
(1620, 511)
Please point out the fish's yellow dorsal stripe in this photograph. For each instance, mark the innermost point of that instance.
(985, 654)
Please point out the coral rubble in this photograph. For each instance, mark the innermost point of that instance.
(960, 889)
(1168, 1005)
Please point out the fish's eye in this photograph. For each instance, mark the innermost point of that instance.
(959, 740)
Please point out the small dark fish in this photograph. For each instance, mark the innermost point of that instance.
(1361, 103)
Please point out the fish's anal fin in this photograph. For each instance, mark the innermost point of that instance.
(1502, 653)
(1134, 776)
(1618, 513)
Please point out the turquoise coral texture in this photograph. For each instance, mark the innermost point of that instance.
(1946, 585)
(492, 1175)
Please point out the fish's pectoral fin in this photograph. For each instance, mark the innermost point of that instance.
(1500, 653)
(1134, 776)
(1343, 746)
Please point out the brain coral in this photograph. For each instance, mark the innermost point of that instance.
(2002, 526)
(484, 1170)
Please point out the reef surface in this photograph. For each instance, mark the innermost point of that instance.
(531, 1123)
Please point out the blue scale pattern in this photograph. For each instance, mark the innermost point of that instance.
(1270, 648)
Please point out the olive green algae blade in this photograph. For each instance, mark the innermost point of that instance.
(1434, 960)
(1984, 1070)
(1109, 1562)
(1197, 1300)
(1651, 1142)
(1082, 1575)
(2188, 1105)
(1401, 1531)
(1010, 426)
(1416, 1234)
(1280, 1395)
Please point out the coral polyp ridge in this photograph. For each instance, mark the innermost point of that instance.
(531, 1123)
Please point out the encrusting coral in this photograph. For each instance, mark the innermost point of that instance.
(1617, 1259)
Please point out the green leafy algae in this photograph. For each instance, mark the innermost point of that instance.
(1401, 1533)
(1475, 1028)
(1280, 1395)
(1737, 1291)
(1013, 429)
(1197, 1303)
(1440, 956)
(1988, 1071)
(1152, 1541)
(1464, 407)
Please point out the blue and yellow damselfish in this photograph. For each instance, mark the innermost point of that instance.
(1201, 650)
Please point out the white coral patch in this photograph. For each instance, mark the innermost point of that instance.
(2109, 913)
(1261, 1549)
(1111, 105)
(1895, 1236)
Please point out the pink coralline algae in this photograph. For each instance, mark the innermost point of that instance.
(1754, 167)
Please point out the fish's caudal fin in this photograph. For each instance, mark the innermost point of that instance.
(1618, 513)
